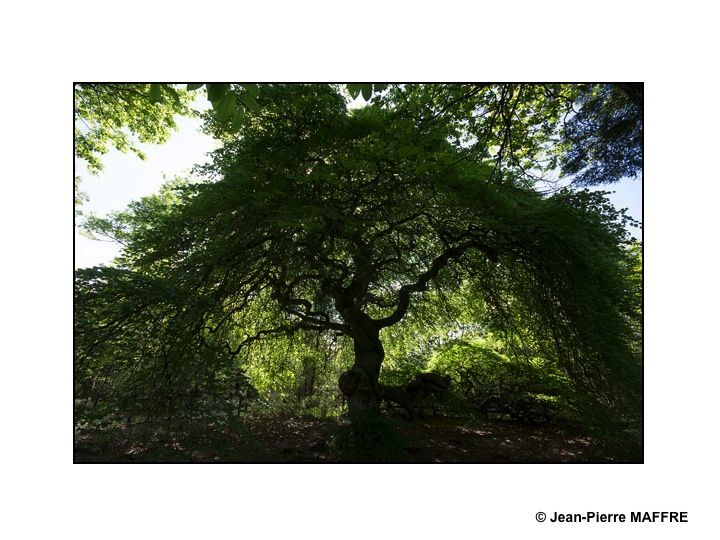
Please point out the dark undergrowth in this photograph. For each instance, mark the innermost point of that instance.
(276, 438)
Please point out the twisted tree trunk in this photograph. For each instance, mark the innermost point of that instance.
(360, 384)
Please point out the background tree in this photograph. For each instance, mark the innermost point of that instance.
(318, 220)
(115, 115)
(603, 137)
(591, 133)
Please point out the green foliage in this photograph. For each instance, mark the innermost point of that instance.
(604, 137)
(634, 272)
(481, 373)
(155, 93)
(217, 92)
(117, 115)
(592, 133)
(80, 196)
(414, 215)
(366, 89)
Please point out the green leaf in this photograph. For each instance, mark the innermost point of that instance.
(354, 90)
(237, 119)
(217, 91)
(226, 107)
(194, 86)
(251, 89)
(366, 91)
(379, 87)
(155, 93)
(173, 93)
(249, 102)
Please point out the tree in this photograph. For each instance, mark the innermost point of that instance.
(591, 133)
(116, 115)
(603, 138)
(319, 220)
(111, 114)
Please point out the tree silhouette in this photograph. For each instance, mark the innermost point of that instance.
(316, 219)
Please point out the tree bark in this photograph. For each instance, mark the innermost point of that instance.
(360, 384)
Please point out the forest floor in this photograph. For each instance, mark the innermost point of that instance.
(289, 439)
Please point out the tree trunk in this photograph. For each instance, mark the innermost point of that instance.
(360, 384)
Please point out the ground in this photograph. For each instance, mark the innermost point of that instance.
(288, 439)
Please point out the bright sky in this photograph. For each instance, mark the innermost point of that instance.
(126, 178)
(628, 194)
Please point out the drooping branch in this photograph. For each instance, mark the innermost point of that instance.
(310, 316)
(440, 262)
(283, 329)
(475, 90)
(310, 322)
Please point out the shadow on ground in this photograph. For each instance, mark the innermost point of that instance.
(279, 439)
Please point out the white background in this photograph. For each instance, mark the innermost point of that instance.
(46, 46)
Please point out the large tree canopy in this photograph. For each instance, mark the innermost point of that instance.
(319, 220)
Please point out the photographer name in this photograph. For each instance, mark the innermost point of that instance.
(635, 517)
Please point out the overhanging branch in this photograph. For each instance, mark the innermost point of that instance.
(440, 262)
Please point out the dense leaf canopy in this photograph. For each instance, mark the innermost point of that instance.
(316, 220)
